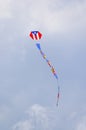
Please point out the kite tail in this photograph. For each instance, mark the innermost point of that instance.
(58, 95)
(52, 68)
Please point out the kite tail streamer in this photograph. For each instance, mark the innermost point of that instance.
(52, 69)
(58, 94)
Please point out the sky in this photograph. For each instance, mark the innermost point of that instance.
(27, 87)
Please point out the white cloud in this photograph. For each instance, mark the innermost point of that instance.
(43, 118)
(5, 11)
(25, 125)
(52, 16)
(82, 124)
(39, 118)
(70, 17)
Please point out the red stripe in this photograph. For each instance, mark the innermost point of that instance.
(31, 35)
(40, 35)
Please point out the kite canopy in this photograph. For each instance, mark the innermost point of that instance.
(35, 35)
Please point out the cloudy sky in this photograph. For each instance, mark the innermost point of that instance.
(27, 87)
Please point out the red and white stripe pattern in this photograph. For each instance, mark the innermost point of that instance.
(35, 35)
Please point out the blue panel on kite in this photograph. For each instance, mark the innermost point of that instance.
(35, 32)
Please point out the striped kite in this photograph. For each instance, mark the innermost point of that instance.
(36, 35)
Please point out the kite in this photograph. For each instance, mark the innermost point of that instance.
(36, 35)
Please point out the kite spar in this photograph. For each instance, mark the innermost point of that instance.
(36, 35)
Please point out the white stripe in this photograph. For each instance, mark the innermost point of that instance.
(33, 36)
(37, 36)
